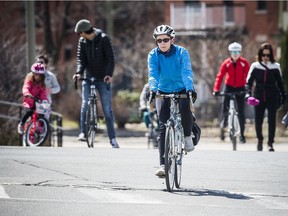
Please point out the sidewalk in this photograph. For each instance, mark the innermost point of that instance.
(134, 137)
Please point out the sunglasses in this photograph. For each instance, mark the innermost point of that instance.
(267, 55)
(165, 40)
(235, 52)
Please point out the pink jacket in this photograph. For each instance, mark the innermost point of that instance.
(36, 90)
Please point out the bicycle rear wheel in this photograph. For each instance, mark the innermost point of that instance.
(179, 149)
(37, 132)
(170, 159)
(90, 124)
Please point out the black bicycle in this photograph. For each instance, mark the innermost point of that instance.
(92, 117)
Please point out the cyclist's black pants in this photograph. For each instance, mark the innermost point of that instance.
(239, 106)
(28, 113)
(163, 111)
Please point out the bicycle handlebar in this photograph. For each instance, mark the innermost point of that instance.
(172, 96)
(82, 79)
(230, 93)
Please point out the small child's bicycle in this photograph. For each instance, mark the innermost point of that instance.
(37, 128)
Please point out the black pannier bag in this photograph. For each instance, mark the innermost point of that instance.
(196, 133)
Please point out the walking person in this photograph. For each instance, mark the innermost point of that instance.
(95, 58)
(235, 70)
(34, 86)
(170, 71)
(51, 82)
(269, 90)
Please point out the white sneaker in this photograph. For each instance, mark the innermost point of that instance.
(81, 137)
(114, 143)
(188, 144)
(161, 171)
(20, 128)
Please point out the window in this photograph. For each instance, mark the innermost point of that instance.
(229, 13)
(261, 5)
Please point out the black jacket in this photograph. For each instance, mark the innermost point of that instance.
(96, 57)
(269, 82)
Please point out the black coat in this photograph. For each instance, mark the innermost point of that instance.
(96, 57)
(269, 81)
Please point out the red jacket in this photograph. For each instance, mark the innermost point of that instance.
(36, 90)
(235, 76)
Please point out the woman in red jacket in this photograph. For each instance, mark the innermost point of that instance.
(34, 86)
(235, 68)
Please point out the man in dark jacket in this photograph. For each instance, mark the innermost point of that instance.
(95, 58)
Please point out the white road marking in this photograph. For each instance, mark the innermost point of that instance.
(3, 193)
(108, 196)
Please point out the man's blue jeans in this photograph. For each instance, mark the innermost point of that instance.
(105, 93)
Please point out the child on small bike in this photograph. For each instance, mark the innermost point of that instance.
(34, 87)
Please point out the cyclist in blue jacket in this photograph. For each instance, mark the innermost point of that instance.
(170, 71)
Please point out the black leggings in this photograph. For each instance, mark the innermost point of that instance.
(163, 111)
(271, 106)
(29, 112)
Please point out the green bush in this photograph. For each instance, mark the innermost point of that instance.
(125, 107)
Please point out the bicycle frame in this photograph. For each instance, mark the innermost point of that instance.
(92, 117)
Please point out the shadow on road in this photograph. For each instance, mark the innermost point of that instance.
(207, 192)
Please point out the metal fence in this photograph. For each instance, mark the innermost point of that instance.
(56, 133)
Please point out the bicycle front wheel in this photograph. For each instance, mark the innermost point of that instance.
(170, 159)
(90, 124)
(234, 130)
(37, 132)
(179, 149)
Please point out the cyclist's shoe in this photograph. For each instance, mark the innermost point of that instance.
(114, 143)
(188, 144)
(160, 172)
(242, 139)
(81, 137)
(222, 133)
(20, 129)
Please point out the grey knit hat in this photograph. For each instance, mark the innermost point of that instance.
(82, 26)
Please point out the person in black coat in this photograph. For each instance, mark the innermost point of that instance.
(95, 58)
(269, 90)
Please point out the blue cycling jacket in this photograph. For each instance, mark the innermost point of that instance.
(170, 72)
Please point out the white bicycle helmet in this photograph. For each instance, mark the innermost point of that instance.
(235, 47)
(38, 68)
(164, 30)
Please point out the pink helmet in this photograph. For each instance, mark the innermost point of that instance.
(38, 68)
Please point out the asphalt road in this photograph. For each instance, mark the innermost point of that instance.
(75, 180)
